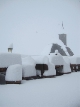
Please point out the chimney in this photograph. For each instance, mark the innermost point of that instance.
(10, 48)
(62, 37)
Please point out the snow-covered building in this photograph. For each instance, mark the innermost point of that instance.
(44, 67)
(59, 44)
(75, 63)
(7, 59)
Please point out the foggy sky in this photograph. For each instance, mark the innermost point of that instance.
(32, 24)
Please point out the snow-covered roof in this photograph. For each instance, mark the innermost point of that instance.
(57, 44)
(62, 91)
(40, 59)
(7, 59)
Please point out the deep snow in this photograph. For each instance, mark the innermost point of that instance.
(61, 91)
(7, 59)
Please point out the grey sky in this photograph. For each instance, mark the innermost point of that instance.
(32, 24)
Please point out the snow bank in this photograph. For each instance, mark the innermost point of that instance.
(14, 73)
(7, 59)
(28, 67)
(66, 65)
(62, 91)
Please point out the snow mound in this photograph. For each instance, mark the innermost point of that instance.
(28, 70)
(7, 59)
(14, 73)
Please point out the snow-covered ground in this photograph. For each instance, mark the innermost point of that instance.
(61, 91)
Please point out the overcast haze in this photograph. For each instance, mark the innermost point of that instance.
(32, 24)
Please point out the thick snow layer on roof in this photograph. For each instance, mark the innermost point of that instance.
(56, 59)
(28, 61)
(47, 50)
(61, 91)
(40, 59)
(28, 70)
(74, 60)
(14, 73)
(7, 59)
